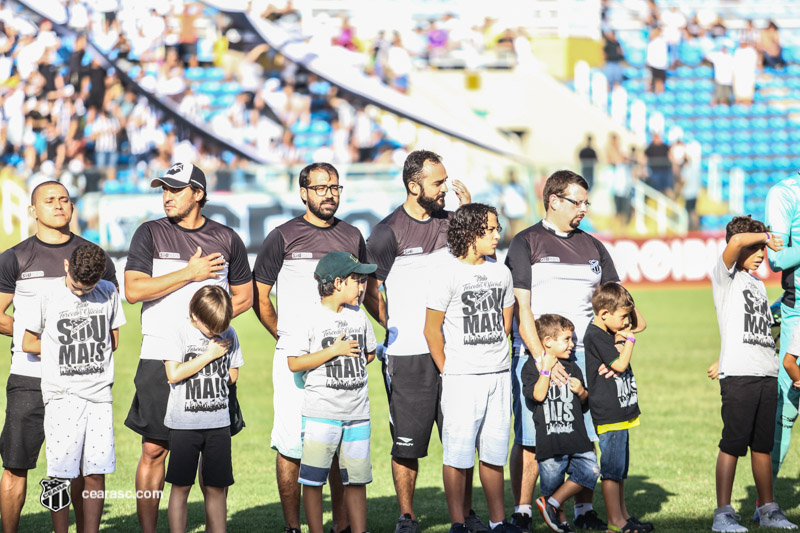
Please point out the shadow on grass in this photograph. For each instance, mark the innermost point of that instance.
(787, 494)
(382, 512)
(642, 497)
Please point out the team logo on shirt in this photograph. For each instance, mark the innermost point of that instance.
(594, 264)
(558, 415)
(757, 319)
(412, 251)
(627, 393)
(345, 373)
(550, 259)
(483, 312)
(207, 390)
(32, 274)
(302, 255)
(82, 341)
(169, 255)
(55, 494)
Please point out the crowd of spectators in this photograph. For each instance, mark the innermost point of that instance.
(736, 55)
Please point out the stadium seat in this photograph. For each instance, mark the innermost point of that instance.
(209, 87)
(194, 73)
(214, 73)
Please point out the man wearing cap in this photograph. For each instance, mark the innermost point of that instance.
(24, 269)
(288, 257)
(169, 260)
(405, 246)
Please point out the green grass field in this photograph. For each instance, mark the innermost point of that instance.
(673, 452)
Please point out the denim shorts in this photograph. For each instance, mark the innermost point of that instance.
(614, 455)
(581, 467)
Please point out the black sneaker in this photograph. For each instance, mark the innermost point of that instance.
(505, 527)
(549, 513)
(522, 521)
(590, 520)
(345, 530)
(288, 529)
(459, 528)
(566, 528)
(406, 524)
(645, 526)
(475, 524)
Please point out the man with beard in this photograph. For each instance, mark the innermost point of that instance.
(24, 269)
(555, 267)
(288, 257)
(169, 260)
(405, 245)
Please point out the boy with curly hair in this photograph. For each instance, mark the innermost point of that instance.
(747, 370)
(469, 310)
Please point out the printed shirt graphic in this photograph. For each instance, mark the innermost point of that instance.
(76, 339)
(24, 269)
(745, 323)
(161, 247)
(610, 400)
(407, 251)
(561, 273)
(199, 401)
(782, 216)
(288, 257)
(560, 429)
(337, 389)
(473, 298)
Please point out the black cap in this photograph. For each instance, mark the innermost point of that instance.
(340, 265)
(181, 175)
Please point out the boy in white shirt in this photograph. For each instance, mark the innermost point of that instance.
(470, 306)
(75, 329)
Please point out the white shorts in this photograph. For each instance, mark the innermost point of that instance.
(477, 414)
(287, 403)
(79, 437)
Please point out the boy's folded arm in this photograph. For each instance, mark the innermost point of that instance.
(32, 342)
(310, 361)
(177, 371)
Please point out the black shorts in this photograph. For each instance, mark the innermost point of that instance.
(149, 405)
(658, 74)
(749, 404)
(414, 388)
(185, 447)
(23, 430)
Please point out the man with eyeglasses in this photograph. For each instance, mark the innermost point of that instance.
(287, 258)
(169, 260)
(555, 267)
(24, 270)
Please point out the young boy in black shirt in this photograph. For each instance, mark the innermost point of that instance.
(614, 403)
(562, 444)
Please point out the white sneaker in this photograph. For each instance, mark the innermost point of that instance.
(728, 521)
(774, 517)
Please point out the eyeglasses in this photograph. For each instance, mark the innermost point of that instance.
(322, 190)
(584, 203)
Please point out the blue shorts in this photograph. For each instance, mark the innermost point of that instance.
(581, 467)
(524, 431)
(614, 455)
(323, 438)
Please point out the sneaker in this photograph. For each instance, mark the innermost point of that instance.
(459, 528)
(566, 528)
(647, 527)
(590, 520)
(522, 521)
(406, 524)
(774, 517)
(345, 530)
(756, 516)
(549, 513)
(724, 522)
(474, 523)
(288, 529)
(505, 527)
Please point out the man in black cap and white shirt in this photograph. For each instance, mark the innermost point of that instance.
(169, 260)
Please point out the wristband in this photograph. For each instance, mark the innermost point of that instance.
(544, 373)
(768, 236)
(632, 339)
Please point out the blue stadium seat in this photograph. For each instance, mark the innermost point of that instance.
(741, 136)
(320, 126)
(684, 110)
(214, 73)
(779, 136)
(231, 87)
(721, 111)
(759, 110)
(760, 136)
(209, 87)
(703, 71)
(777, 123)
(224, 100)
(704, 137)
(759, 123)
(690, 53)
(741, 149)
(721, 135)
(740, 123)
(194, 73)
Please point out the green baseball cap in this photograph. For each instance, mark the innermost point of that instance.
(340, 265)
